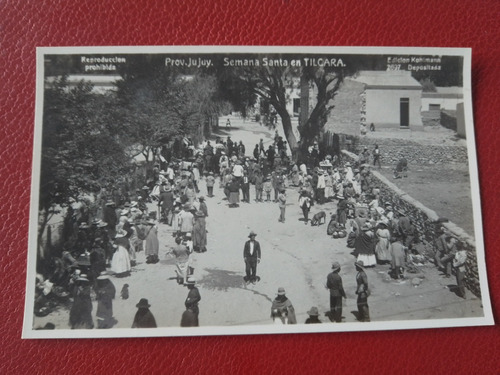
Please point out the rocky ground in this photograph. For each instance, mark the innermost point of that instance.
(295, 256)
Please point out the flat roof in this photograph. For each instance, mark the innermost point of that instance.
(387, 79)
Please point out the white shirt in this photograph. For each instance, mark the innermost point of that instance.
(237, 170)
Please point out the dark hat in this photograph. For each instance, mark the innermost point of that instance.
(202, 198)
(313, 312)
(281, 291)
(252, 234)
(359, 264)
(83, 260)
(143, 303)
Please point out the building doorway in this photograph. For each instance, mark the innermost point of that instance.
(404, 111)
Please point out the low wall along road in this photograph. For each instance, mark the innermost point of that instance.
(423, 219)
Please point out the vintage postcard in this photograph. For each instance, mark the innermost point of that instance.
(183, 191)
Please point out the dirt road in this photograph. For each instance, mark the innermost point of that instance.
(295, 256)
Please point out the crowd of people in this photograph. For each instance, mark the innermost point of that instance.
(108, 243)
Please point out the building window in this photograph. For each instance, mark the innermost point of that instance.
(434, 107)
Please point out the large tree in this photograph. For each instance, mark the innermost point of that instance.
(274, 84)
(81, 145)
(326, 83)
(165, 103)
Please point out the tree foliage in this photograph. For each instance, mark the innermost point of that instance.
(162, 104)
(81, 144)
(275, 83)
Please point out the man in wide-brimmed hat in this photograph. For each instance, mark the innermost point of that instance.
(251, 255)
(362, 291)
(191, 301)
(334, 284)
(313, 316)
(203, 206)
(210, 182)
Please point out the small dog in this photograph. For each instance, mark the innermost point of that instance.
(124, 292)
(316, 220)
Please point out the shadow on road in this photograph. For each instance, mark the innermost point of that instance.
(224, 132)
(221, 280)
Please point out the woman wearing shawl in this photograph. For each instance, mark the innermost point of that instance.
(80, 315)
(364, 246)
(282, 310)
(106, 292)
(143, 317)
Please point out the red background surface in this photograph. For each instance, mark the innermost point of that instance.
(25, 25)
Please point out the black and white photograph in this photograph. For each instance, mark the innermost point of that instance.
(181, 191)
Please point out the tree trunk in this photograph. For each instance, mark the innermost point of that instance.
(286, 122)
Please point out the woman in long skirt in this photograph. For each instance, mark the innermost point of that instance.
(120, 263)
(106, 292)
(199, 233)
(364, 246)
(80, 315)
(234, 193)
(152, 243)
(383, 248)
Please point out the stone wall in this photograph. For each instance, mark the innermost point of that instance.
(392, 150)
(424, 220)
(449, 120)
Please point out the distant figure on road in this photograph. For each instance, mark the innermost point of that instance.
(228, 123)
(282, 205)
(334, 284)
(210, 182)
(282, 310)
(143, 317)
(261, 147)
(376, 156)
(305, 205)
(251, 255)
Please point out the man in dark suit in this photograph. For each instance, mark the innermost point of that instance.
(251, 254)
